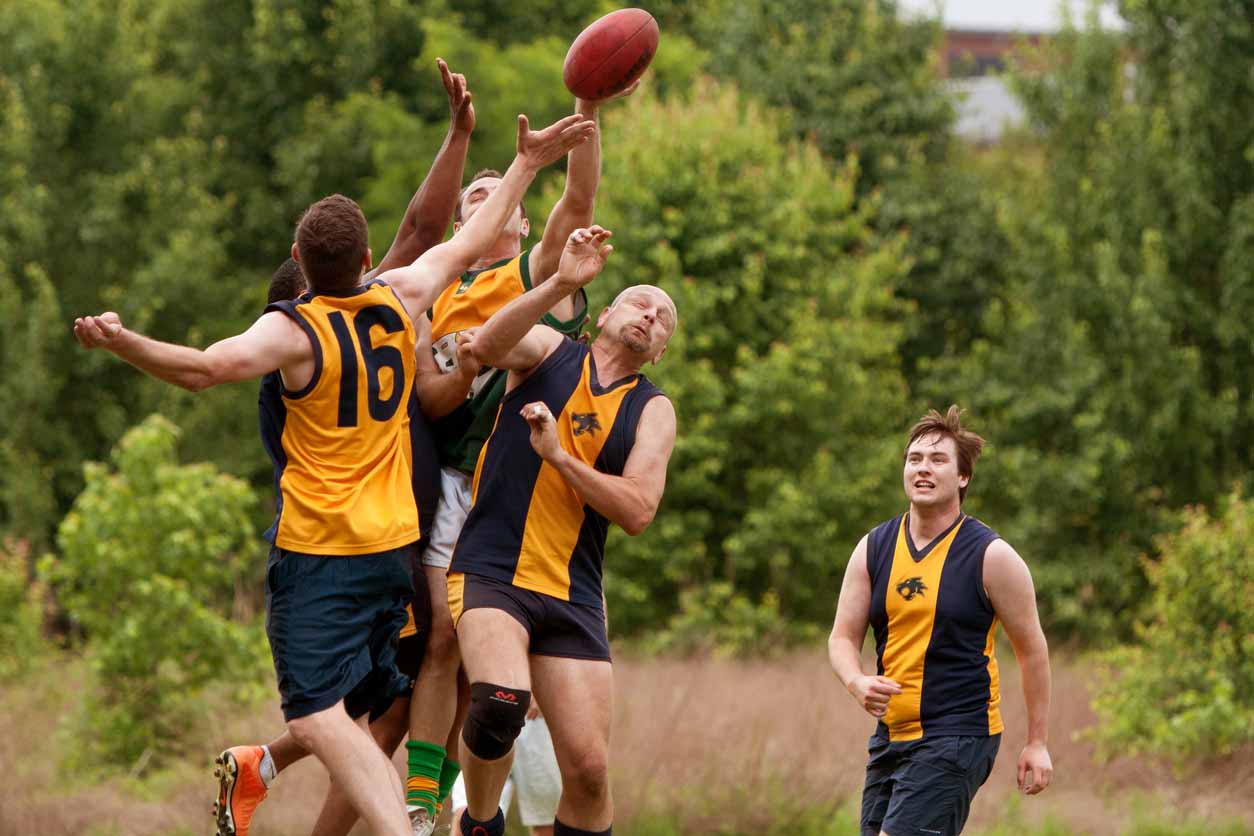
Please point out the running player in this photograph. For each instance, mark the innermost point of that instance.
(582, 440)
(338, 575)
(245, 772)
(933, 584)
(462, 399)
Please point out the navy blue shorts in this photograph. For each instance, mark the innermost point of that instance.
(924, 787)
(555, 627)
(333, 624)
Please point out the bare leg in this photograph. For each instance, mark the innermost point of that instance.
(338, 816)
(353, 759)
(434, 704)
(285, 751)
(577, 696)
(494, 649)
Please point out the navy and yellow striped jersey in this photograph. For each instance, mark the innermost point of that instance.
(468, 304)
(527, 526)
(934, 628)
(341, 444)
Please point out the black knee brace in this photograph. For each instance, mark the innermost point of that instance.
(495, 719)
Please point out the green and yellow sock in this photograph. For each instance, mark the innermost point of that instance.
(448, 777)
(426, 766)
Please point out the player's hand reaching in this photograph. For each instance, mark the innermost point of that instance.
(97, 331)
(583, 257)
(873, 693)
(543, 430)
(540, 148)
(467, 363)
(1035, 770)
(461, 111)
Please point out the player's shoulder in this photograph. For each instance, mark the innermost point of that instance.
(975, 533)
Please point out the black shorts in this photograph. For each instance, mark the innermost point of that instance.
(924, 787)
(333, 624)
(556, 627)
(411, 647)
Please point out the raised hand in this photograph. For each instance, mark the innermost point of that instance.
(461, 111)
(97, 331)
(541, 148)
(583, 257)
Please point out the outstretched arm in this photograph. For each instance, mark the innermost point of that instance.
(420, 283)
(439, 392)
(1009, 586)
(575, 208)
(508, 339)
(630, 500)
(431, 209)
(844, 646)
(272, 342)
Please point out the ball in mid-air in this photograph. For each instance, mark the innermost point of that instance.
(611, 54)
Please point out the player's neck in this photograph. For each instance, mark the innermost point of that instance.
(928, 522)
(613, 362)
(505, 248)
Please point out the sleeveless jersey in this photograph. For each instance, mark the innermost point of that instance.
(934, 628)
(341, 444)
(527, 526)
(469, 304)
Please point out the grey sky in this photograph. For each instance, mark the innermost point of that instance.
(1028, 15)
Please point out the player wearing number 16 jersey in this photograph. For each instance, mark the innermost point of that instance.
(335, 589)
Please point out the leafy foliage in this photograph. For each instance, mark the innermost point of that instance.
(1187, 686)
(153, 556)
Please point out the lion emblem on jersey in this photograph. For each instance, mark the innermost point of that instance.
(911, 587)
(585, 422)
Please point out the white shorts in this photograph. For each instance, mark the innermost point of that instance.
(534, 777)
(450, 516)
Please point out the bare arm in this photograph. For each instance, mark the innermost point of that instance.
(575, 207)
(418, 284)
(844, 645)
(1009, 586)
(431, 209)
(630, 500)
(439, 393)
(508, 339)
(272, 342)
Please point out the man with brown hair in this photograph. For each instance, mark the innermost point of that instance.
(933, 584)
(338, 574)
(461, 397)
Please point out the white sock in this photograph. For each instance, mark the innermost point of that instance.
(266, 768)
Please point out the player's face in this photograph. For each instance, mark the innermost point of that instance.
(930, 474)
(477, 194)
(643, 321)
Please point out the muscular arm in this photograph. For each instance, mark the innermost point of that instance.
(575, 207)
(1009, 586)
(272, 342)
(630, 500)
(418, 284)
(844, 645)
(439, 393)
(431, 209)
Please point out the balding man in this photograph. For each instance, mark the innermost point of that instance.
(582, 440)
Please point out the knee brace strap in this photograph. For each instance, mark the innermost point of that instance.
(495, 719)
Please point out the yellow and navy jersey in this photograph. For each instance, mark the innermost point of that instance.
(469, 304)
(934, 628)
(527, 526)
(341, 445)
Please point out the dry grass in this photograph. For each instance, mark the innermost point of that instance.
(692, 739)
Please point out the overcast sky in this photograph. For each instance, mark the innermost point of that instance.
(1044, 15)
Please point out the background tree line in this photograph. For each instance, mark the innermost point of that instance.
(840, 259)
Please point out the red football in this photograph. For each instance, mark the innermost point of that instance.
(610, 54)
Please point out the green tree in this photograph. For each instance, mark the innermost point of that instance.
(784, 366)
(1186, 688)
(153, 560)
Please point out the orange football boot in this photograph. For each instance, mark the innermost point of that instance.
(240, 789)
